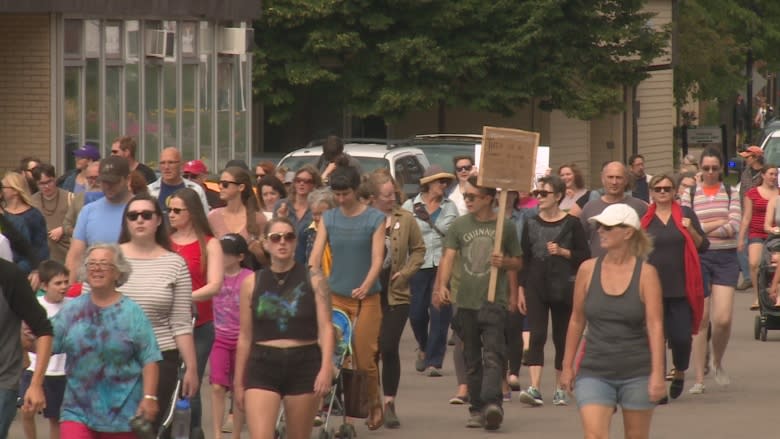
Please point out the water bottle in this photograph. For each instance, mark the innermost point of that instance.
(181, 420)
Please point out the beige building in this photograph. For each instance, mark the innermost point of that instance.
(587, 143)
(173, 73)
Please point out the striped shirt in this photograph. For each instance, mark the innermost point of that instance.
(163, 289)
(717, 208)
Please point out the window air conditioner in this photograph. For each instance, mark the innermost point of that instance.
(232, 41)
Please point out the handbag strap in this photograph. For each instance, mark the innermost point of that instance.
(354, 326)
(428, 219)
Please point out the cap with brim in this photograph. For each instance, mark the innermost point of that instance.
(617, 215)
(751, 151)
(233, 244)
(433, 173)
(87, 151)
(195, 167)
(113, 169)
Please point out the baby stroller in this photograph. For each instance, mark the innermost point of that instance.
(769, 314)
(334, 402)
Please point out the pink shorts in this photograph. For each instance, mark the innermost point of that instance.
(223, 362)
(76, 430)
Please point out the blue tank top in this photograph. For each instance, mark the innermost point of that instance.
(616, 343)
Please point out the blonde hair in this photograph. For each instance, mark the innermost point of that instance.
(640, 244)
(17, 182)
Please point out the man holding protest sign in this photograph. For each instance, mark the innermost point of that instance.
(487, 248)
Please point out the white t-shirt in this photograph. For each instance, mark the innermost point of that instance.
(57, 362)
(5, 249)
(457, 197)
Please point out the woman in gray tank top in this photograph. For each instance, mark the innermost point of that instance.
(618, 296)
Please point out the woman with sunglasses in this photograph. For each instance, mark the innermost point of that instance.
(554, 244)
(434, 213)
(160, 283)
(719, 213)
(464, 168)
(284, 313)
(296, 206)
(678, 239)
(754, 209)
(356, 236)
(577, 195)
(240, 214)
(618, 297)
(192, 239)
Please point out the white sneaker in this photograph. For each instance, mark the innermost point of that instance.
(697, 389)
(721, 377)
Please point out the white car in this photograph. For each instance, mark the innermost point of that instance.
(406, 164)
(771, 147)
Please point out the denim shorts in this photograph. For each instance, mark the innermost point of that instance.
(630, 394)
(719, 267)
(756, 240)
(53, 390)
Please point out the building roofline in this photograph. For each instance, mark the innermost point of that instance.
(242, 10)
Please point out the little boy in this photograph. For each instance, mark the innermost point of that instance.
(54, 283)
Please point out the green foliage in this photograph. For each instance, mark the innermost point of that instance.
(714, 39)
(389, 57)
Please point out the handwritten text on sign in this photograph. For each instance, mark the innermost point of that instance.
(508, 158)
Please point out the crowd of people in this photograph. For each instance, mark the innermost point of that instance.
(140, 274)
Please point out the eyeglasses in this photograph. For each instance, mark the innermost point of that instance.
(471, 197)
(92, 177)
(45, 182)
(540, 193)
(304, 181)
(660, 189)
(176, 210)
(145, 214)
(466, 168)
(99, 265)
(224, 184)
(710, 168)
(278, 237)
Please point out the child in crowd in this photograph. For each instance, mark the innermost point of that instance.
(226, 329)
(54, 284)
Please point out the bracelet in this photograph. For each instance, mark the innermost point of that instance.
(152, 397)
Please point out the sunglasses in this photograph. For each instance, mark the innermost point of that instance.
(145, 214)
(540, 193)
(176, 210)
(278, 237)
(661, 189)
(304, 181)
(466, 168)
(471, 197)
(710, 168)
(224, 184)
(259, 176)
(188, 176)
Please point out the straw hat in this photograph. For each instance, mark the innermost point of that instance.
(433, 173)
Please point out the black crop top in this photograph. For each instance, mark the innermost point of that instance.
(283, 306)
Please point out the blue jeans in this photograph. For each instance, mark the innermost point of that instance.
(7, 410)
(744, 267)
(430, 325)
(204, 339)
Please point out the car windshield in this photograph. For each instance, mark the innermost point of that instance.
(772, 150)
(442, 153)
(367, 164)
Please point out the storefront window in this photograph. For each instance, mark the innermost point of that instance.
(113, 105)
(72, 113)
(224, 106)
(92, 101)
(169, 102)
(189, 85)
(240, 110)
(152, 119)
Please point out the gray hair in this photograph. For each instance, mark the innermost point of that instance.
(320, 196)
(122, 265)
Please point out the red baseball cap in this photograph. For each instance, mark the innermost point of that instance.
(752, 151)
(195, 167)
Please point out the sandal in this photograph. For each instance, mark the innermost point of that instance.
(374, 421)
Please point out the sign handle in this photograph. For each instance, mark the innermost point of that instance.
(497, 245)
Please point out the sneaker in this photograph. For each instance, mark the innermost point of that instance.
(559, 398)
(493, 417)
(508, 396)
(433, 372)
(459, 400)
(531, 397)
(420, 363)
(721, 377)
(697, 389)
(227, 427)
(475, 421)
(514, 383)
(745, 284)
(318, 420)
(391, 420)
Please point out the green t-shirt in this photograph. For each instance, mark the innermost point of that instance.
(473, 240)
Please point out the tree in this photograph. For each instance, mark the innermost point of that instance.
(389, 57)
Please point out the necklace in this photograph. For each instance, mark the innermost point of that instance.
(46, 210)
(280, 282)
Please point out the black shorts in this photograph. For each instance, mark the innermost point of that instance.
(286, 371)
(53, 390)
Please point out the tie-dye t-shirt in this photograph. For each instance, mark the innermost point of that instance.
(226, 306)
(283, 306)
(107, 350)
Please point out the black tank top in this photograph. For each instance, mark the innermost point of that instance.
(616, 344)
(283, 306)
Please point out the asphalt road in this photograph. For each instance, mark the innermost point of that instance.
(746, 408)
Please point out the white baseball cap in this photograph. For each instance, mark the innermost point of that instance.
(617, 214)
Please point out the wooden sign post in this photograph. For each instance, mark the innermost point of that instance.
(507, 161)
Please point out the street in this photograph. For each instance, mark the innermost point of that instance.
(747, 408)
